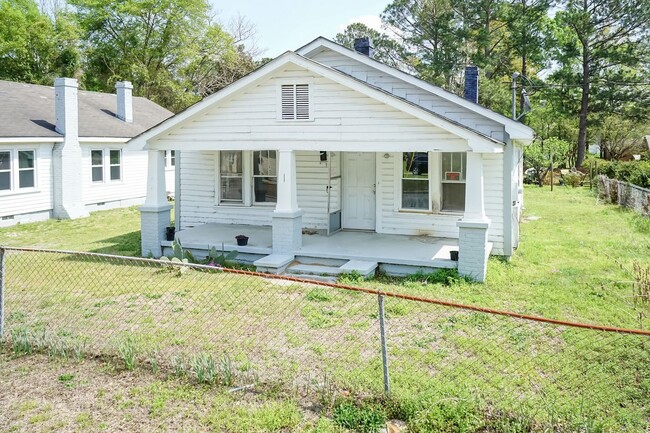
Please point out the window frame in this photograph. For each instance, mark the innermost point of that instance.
(443, 181)
(435, 185)
(106, 165)
(248, 196)
(14, 171)
(428, 181)
(111, 165)
(310, 93)
(170, 159)
(253, 176)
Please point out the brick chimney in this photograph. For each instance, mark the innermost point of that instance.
(364, 46)
(66, 107)
(471, 83)
(124, 101)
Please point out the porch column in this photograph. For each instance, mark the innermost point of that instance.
(473, 245)
(155, 213)
(287, 217)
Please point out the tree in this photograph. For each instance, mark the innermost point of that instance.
(34, 47)
(386, 49)
(542, 153)
(170, 49)
(597, 41)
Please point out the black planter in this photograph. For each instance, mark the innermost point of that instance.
(169, 233)
(453, 255)
(242, 240)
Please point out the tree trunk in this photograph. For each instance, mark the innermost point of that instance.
(584, 107)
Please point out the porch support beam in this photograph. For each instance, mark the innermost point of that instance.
(473, 245)
(287, 217)
(156, 212)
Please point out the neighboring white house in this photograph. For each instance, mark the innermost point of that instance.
(62, 150)
(326, 158)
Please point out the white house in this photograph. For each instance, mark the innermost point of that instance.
(62, 150)
(330, 161)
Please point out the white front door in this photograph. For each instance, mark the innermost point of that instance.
(358, 204)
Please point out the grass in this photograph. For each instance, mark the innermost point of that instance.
(451, 370)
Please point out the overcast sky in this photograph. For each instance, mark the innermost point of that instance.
(284, 25)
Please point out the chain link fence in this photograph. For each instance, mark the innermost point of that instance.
(504, 371)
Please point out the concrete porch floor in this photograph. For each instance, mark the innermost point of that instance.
(418, 251)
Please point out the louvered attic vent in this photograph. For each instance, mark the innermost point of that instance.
(295, 102)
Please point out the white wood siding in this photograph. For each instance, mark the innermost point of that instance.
(198, 190)
(410, 92)
(391, 220)
(38, 199)
(133, 184)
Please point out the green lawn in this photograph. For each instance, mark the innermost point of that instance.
(451, 370)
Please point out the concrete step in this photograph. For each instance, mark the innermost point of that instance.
(366, 269)
(307, 260)
(301, 268)
(321, 278)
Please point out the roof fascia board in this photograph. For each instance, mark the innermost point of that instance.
(31, 140)
(103, 139)
(515, 129)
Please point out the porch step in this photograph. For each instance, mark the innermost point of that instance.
(323, 278)
(273, 263)
(365, 269)
(326, 261)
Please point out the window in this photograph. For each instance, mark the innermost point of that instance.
(265, 176)
(26, 169)
(295, 102)
(5, 171)
(97, 165)
(116, 164)
(170, 158)
(231, 176)
(415, 180)
(17, 169)
(247, 177)
(453, 180)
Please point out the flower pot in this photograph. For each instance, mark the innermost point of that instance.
(169, 233)
(241, 240)
(453, 254)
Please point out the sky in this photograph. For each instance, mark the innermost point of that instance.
(284, 25)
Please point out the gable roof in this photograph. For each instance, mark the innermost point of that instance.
(27, 110)
(476, 140)
(516, 130)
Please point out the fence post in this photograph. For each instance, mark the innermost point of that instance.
(2, 292)
(384, 351)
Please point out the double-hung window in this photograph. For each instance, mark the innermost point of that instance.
(423, 189)
(17, 169)
(170, 158)
(248, 178)
(454, 166)
(102, 169)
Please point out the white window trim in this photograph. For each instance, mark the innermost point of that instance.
(168, 160)
(106, 166)
(278, 109)
(14, 173)
(435, 187)
(442, 182)
(247, 182)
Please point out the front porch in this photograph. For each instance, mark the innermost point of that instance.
(393, 254)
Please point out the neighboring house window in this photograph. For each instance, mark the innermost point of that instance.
(97, 165)
(415, 180)
(17, 168)
(116, 164)
(453, 180)
(26, 169)
(265, 176)
(231, 176)
(5, 170)
(248, 177)
(170, 158)
(295, 102)
(106, 164)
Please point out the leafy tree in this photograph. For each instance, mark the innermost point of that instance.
(170, 49)
(386, 49)
(34, 47)
(541, 153)
(598, 41)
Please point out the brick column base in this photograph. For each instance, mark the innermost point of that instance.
(473, 249)
(153, 222)
(287, 232)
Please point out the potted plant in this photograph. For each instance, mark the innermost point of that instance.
(170, 232)
(242, 240)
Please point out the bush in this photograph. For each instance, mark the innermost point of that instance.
(635, 172)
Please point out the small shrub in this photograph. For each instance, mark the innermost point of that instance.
(361, 419)
(127, 350)
(573, 179)
(353, 277)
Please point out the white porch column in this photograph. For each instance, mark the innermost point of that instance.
(155, 213)
(473, 245)
(287, 217)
